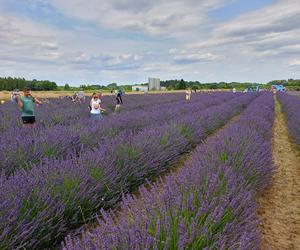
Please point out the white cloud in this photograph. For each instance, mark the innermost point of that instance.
(158, 17)
(273, 27)
(33, 47)
(295, 62)
(128, 40)
(281, 17)
(190, 56)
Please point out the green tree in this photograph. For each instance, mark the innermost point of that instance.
(67, 87)
(195, 87)
(181, 85)
(112, 86)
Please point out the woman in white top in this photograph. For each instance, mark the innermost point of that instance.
(188, 94)
(96, 108)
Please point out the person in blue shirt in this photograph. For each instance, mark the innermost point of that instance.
(26, 105)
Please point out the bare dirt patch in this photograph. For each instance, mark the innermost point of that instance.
(279, 206)
(5, 95)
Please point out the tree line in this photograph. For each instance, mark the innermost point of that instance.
(182, 84)
(9, 83)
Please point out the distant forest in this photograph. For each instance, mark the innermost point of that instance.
(9, 83)
(181, 84)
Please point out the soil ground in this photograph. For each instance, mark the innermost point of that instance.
(279, 206)
(5, 95)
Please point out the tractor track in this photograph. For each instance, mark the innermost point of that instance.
(279, 206)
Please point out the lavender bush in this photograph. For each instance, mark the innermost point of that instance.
(291, 108)
(41, 205)
(209, 204)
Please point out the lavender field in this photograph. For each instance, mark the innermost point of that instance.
(69, 182)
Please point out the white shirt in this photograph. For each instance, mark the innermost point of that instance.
(97, 109)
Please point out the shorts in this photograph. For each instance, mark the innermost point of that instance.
(96, 116)
(28, 119)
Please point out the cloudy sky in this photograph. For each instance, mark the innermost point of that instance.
(126, 41)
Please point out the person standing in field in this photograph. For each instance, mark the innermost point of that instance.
(14, 96)
(90, 105)
(119, 99)
(96, 108)
(26, 105)
(93, 96)
(80, 96)
(188, 94)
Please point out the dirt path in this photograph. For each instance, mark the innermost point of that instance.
(280, 205)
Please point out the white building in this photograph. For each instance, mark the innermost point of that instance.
(141, 88)
(154, 83)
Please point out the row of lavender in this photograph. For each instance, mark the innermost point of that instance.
(63, 111)
(40, 206)
(291, 108)
(20, 148)
(209, 204)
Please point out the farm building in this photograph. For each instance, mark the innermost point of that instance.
(154, 83)
(141, 88)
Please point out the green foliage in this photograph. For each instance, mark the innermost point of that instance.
(217, 227)
(184, 130)
(87, 139)
(224, 157)
(50, 150)
(181, 84)
(195, 87)
(31, 206)
(67, 188)
(57, 119)
(111, 132)
(9, 83)
(67, 87)
(112, 85)
(164, 139)
(126, 153)
(97, 173)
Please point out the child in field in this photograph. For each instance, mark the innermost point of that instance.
(26, 105)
